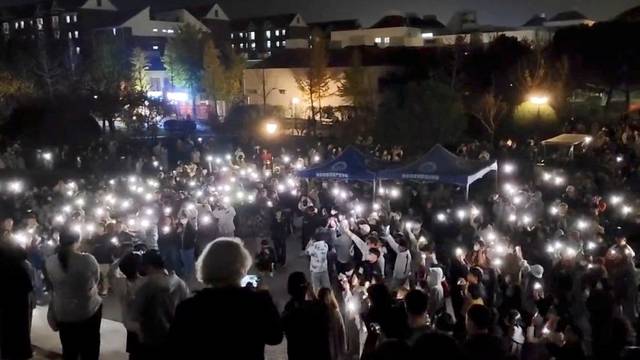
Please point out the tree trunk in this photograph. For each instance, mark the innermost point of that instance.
(104, 124)
(264, 94)
(112, 125)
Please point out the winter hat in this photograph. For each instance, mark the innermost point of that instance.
(537, 271)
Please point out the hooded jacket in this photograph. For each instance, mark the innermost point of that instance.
(436, 292)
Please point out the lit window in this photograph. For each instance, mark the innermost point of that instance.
(253, 35)
(241, 45)
(387, 40)
(241, 35)
(155, 47)
(54, 22)
(70, 35)
(253, 45)
(284, 32)
(76, 34)
(284, 43)
(68, 19)
(232, 35)
(17, 25)
(277, 32)
(233, 46)
(40, 23)
(170, 31)
(427, 35)
(269, 43)
(277, 43)
(77, 49)
(75, 18)
(268, 32)
(21, 24)
(155, 30)
(164, 30)
(378, 40)
(56, 34)
(115, 31)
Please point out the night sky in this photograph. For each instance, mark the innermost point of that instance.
(496, 12)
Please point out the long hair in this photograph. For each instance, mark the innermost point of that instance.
(328, 298)
(67, 241)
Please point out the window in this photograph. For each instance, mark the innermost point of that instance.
(70, 35)
(75, 18)
(252, 91)
(284, 43)
(17, 25)
(115, 31)
(241, 35)
(378, 40)
(387, 40)
(68, 19)
(56, 34)
(77, 49)
(241, 45)
(99, 3)
(427, 35)
(232, 35)
(268, 43)
(216, 13)
(154, 83)
(155, 47)
(233, 46)
(253, 45)
(5, 28)
(21, 24)
(76, 34)
(55, 22)
(282, 91)
(164, 30)
(253, 35)
(277, 32)
(268, 33)
(40, 23)
(284, 32)
(170, 31)
(155, 30)
(277, 43)
(298, 20)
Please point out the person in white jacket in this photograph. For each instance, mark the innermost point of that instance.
(225, 215)
(317, 249)
(436, 292)
(402, 266)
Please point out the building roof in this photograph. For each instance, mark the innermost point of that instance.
(371, 56)
(536, 20)
(337, 25)
(569, 16)
(630, 15)
(281, 20)
(428, 22)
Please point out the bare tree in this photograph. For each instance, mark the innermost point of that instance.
(489, 110)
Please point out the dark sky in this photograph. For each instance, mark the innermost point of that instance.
(497, 12)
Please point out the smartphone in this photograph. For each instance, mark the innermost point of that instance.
(249, 279)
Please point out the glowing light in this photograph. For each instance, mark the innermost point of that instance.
(539, 99)
(508, 168)
(591, 245)
(15, 187)
(497, 262)
(546, 176)
(461, 214)
(286, 159)
(441, 217)
(206, 219)
(537, 286)
(271, 128)
(626, 210)
(553, 210)
(316, 158)
(114, 240)
(166, 229)
(616, 199)
(394, 193)
(512, 218)
(619, 158)
(581, 224)
(459, 252)
(47, 156)
(167, 211)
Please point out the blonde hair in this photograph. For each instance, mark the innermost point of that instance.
(225, 261)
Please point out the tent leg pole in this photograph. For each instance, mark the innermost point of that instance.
(373, 198)
(466, 194)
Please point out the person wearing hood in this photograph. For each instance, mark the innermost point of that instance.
(402, 266)
(225, 215)
(155, 304)
(436, 292)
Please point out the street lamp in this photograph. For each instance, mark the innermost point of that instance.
(538, 100)
(271, 127)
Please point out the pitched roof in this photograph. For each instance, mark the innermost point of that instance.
(337, 25)
(281, 20)
(569, 16)
(536, 20)
(388, 21)
(630, 15)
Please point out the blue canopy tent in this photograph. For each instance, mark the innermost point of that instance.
(351, 164)
(441, 166)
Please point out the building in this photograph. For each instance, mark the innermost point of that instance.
(327, 27)
(395, 29)
(259, 37)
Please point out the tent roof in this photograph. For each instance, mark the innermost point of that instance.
(440, 165)
(351, 164)
(567, 139)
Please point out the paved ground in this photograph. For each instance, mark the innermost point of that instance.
(47, 344)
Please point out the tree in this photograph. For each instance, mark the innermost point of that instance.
(183, 61)
(105, 81)
(489, 110)
(222, 78)
(421, 113)
(357, 88)
(139, 66)
(12, 90)
(316, 80)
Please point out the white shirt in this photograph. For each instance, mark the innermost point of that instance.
(225, 219)
(318, 252)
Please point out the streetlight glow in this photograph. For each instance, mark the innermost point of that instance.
(271, 127)
(539, 99)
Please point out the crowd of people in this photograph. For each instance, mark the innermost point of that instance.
(539, 264)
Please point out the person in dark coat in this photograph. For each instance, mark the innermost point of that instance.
(15, 303)
(224, 320)
(306, 322)
(280, 231)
